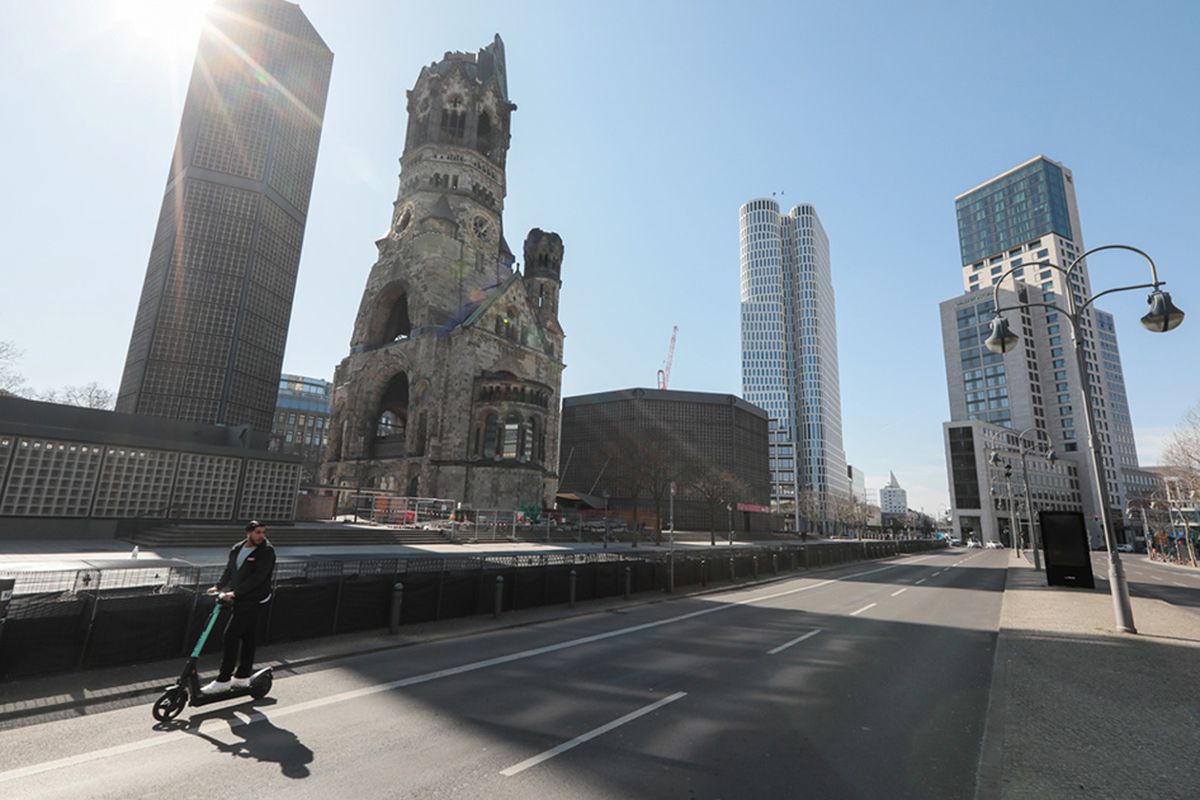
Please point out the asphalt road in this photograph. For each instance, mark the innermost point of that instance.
(869, 681)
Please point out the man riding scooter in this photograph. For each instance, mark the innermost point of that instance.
(246, 587)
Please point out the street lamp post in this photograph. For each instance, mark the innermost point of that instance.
(1163, 316)
(606, 496)
(729, 508)
(1025, 449)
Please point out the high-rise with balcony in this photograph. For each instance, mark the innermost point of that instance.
(789, 353)
(212, 322)
(1014, 221)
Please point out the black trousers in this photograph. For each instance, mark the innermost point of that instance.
(240, 635)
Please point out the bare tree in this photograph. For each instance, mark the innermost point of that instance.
(11, 381)
(1183, 454)
(717, 488)
(810, 508)
(91, 395)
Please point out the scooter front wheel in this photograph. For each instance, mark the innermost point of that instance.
(170, 703)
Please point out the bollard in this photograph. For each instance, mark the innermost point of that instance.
(671, 573)
(397, 600)
(499, 596)
(754, 560)
(732, 571)
(703, 572)
(571, 600)
(628, 581)
(775, 562)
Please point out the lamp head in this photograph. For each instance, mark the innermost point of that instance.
(1163, 316)
(1001, 339)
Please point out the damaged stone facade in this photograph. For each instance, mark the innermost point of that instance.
(452, 385)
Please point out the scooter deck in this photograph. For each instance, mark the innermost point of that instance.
(201, 699)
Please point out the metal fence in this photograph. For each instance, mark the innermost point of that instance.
(94, 617)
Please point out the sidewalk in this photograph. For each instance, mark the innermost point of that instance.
(1078, 710)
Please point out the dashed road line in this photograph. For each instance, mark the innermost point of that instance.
(592, 734)
(797, 640)
(900, 591)
(864, 608)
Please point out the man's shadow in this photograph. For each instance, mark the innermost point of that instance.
(258, 738)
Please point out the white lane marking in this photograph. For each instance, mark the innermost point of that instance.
(934, 575)
(366, 691)
(1177, 583)
(797, 640)
(864, 608)
(900, 591)
(592, 734)
(920, 582)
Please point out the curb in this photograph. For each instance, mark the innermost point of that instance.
(661, 596)
(990, 772)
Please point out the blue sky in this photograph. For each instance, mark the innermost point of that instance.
(642, 126)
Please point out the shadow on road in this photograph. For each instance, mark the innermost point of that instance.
(257, 738)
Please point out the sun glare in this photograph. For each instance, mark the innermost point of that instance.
(173, 25)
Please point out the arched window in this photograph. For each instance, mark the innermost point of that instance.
(422, 434)
(389, 425)
(478, 441)
(491, 435)
(397, 327)
(529, 436)
(484, 134)
(511, 442)
(392, 417)
(540, 437)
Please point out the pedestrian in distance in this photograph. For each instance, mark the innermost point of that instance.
(246, 587)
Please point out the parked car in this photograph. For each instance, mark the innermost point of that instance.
(974, 543)
(1125, 548)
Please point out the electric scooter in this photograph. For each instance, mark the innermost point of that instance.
(186, 689)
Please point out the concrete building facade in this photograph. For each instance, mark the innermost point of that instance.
(212, 323)
(789, 350)
(68, 471)
(452, 385)
(634, 443)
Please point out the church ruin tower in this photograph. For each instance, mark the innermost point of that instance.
(453, 381)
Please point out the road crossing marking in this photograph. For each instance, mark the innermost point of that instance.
(864, 608)
(592, 734)
(797, 640)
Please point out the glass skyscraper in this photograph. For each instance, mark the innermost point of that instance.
(789, 352)
(212, 322)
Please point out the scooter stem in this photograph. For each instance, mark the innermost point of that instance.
(212, 620)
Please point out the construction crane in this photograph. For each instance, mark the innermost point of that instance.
(664, 374)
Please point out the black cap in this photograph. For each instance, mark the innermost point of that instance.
(252, 524)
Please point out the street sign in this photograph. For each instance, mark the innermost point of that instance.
(674, 488)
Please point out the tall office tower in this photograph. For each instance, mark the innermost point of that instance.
(212, 322)
(789, 351)
(1024, 216)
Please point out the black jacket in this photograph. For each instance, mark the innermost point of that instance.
(251, 583)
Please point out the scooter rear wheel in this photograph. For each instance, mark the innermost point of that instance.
(262, 687)
(169, 704)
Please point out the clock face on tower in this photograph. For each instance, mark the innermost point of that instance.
(482, 227)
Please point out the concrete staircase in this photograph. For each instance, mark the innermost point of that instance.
(308, 535)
